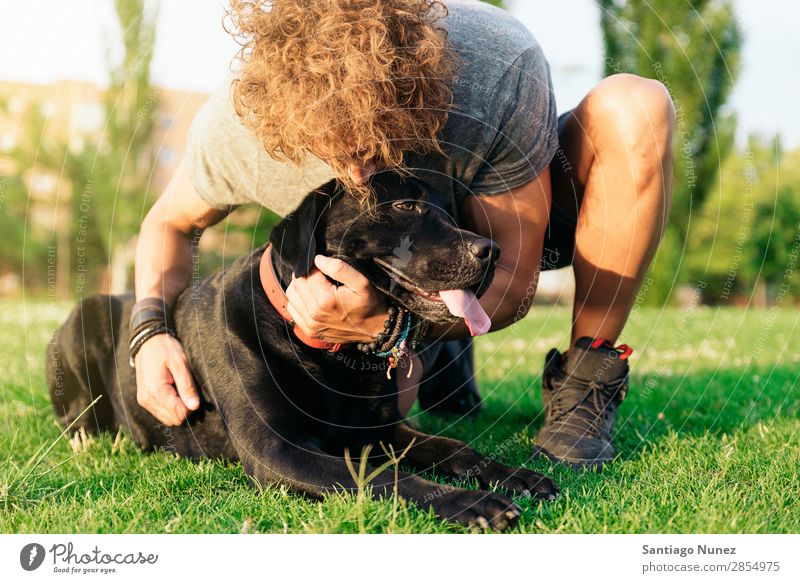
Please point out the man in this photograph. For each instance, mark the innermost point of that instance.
(463, 99)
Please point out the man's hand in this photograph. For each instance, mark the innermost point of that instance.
(164, 383)
(352, 312)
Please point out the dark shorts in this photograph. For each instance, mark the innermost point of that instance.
(559, 239)
(558, 250)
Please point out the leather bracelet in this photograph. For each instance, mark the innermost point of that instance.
(148, 316)
(149, 311)
(151, 302)
(149, 306)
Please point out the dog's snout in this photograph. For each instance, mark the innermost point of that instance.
(484, 249)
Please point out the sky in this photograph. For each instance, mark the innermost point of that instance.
(42, 41)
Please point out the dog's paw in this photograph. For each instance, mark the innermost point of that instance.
(527, 483)
(478, 509)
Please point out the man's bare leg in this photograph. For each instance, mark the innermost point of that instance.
(616, 175)
(618, 148)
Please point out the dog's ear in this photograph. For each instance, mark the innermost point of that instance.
(301, 235)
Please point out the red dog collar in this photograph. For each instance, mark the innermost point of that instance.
(277, 297)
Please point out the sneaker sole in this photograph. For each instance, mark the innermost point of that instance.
(575, 464)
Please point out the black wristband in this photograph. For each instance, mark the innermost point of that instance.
(148, 316)
(150, 310)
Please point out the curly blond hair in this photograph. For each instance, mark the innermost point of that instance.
(343, 79)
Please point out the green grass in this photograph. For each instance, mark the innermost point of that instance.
(709, 441)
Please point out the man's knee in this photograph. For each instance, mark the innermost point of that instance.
(633, 109)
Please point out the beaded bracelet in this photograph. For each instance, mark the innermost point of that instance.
(399, 341)
(402, 331)
(143, 336)
(385, 335)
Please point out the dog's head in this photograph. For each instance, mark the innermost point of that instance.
(404, 243)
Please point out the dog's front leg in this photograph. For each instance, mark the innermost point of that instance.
(275, 448)
(312, 472)
(306, 469)
(456, 459)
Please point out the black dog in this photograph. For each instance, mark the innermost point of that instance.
(286, 410)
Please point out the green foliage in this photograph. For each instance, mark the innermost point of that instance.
(708, 437)
(498, 3)
(773, 254)
(106, 175)
(18, 246)
(775, 236)
(16, 249)
(694, 49)
(111, 176)
(131, 103)
(745, 232)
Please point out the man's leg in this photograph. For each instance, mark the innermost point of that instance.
(614, 172)
(616, 176)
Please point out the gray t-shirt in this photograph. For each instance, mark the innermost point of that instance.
(501, 132)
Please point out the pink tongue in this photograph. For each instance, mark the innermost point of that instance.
(462, 303)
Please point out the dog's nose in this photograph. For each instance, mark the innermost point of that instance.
(484, 249)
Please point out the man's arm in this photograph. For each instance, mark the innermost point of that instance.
(164, 384)
(164, 250)
(516, 221)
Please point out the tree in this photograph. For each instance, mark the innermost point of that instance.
(107, 174)
(30, 253)
(745, 234)
(17, 248)
(693, 47)
(773, 256)
(116, 170)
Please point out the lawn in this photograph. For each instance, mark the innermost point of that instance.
(708, 441)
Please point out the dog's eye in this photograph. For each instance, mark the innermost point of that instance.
(405, 205)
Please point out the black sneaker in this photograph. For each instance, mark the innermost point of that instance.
(449, 384)
(582, 390)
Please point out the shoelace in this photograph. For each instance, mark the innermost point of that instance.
(587, 400)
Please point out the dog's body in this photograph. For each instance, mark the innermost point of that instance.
(286, 410)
